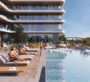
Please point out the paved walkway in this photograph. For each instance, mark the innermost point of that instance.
(31, 74)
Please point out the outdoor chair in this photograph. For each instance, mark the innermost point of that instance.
(31, 49)
(27, 56)
(16, 66)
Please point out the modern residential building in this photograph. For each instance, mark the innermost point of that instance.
(35, 16)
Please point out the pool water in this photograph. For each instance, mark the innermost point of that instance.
(67, 65)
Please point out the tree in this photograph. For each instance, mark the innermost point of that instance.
(35, 39)
(32, 39)
(62, 38)
(46, 38)
(86, 41)
(39, 38)
(19, 36)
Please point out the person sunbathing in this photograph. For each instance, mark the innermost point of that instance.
(14, 56)
(23, 51)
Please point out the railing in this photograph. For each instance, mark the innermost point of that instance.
(24, 11)
(6, 20)
(3, 29)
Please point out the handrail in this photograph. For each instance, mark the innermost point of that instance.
(6, 20)
(5, 8)
(27, 1)
(6, 30)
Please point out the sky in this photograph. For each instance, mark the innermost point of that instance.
(77, 18)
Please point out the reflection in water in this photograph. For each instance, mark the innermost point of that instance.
(83, 51)
(55, 66)
(75, 68)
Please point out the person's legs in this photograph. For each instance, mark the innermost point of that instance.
(30, 53)
(21, 59)
(40, 51)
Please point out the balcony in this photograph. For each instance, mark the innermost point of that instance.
(6, 10)
(43, 32)
(4, 30)
(34, 12)
(35, 2)
(3, 19)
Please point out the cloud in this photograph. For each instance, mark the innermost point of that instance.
(87, 34)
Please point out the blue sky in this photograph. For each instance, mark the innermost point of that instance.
(77, 18)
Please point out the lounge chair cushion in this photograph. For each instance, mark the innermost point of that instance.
(31, 49)
(27, 56)
(17, 63)
(5, 57)
(2, 60)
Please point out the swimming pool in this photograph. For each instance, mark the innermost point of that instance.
(67, 65)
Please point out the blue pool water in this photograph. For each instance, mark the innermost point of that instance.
(67, 66)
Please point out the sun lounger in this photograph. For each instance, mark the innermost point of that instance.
(31, 49)
(17, 66)
(27, 56)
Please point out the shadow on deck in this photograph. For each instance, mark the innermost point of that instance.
(8, 74)
(42, 77)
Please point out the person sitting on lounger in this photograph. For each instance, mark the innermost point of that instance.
(23, 51)
(14, 56)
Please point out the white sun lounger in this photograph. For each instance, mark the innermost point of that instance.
(17, 66)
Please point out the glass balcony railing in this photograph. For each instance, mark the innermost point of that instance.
(42, 17)
(39, 7)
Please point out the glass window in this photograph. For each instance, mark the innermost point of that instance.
(44, 27)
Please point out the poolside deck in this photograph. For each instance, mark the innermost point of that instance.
(31, 74)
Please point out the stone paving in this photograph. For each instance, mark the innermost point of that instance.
(31, 74)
